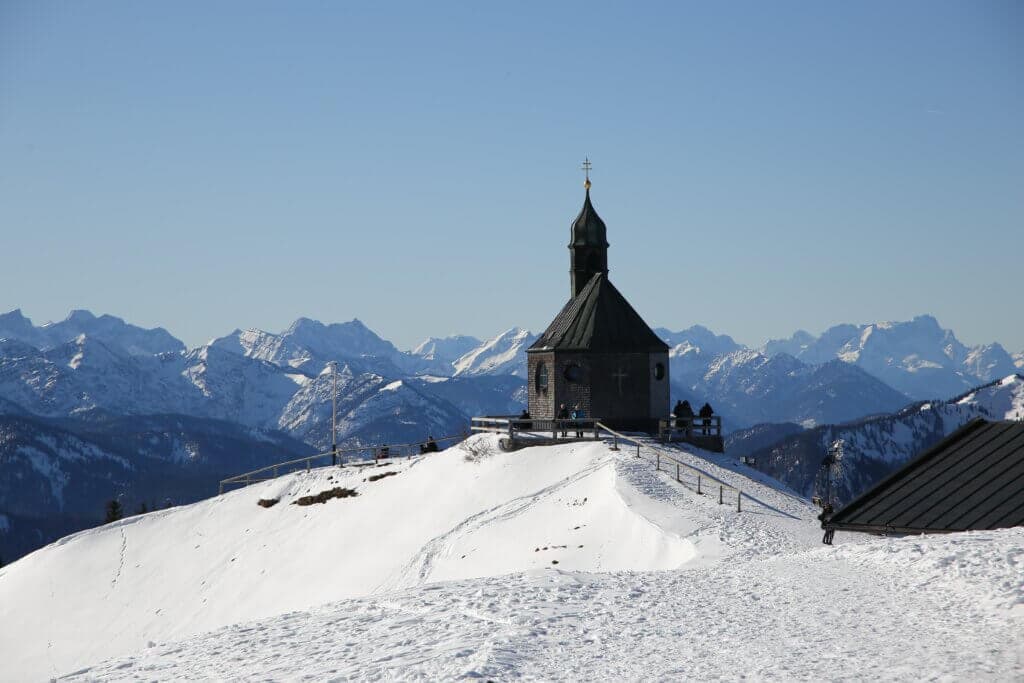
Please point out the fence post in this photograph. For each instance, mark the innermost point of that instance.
(658, 465)
(739, 501)
(275, 471)
(677, 472)
(698, 484)
(720, 494)
(221, 492)
(248, 480)
(638, 450)
(307, 465)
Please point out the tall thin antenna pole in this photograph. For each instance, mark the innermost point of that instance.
(334, 412)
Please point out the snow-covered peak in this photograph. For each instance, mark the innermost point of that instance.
(503, 355)
(917, 357)
(699, 338)
(447, 349)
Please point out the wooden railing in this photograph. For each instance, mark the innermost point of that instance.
(702, 479)
(518, 426)
(690, 426)
(380, 452)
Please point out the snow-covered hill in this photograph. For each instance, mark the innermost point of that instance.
(571, 562)
(877, 446)
(470, 511)
(58, 474)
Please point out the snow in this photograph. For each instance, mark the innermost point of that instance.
(881, 610)
(566, 562)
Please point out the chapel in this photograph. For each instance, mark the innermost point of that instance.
(598, 354)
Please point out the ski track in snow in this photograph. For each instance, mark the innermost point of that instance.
(419, 568)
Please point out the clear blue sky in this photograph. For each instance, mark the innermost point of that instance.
(762, 167)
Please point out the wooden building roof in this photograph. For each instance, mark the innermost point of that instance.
(599, 320)
(973, 479)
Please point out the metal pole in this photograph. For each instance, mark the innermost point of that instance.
(334, 412)
(658, 466)
(739, 501)
(698, 484)
(720, 494)
(677, 471)
(638, 450)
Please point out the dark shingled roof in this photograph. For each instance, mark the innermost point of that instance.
(588, 229)
(599, 319)
(973, 479)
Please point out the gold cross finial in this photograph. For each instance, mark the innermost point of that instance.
(586, 169)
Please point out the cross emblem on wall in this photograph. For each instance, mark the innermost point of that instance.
(620, 375)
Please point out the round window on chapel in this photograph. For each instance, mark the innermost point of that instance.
(573, 372)
(659, 371)
(542, 377)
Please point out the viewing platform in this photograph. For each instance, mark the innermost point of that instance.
(521, 432)
(703, 432)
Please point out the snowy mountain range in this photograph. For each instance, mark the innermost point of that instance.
(876, 446)
(280, 382)
(916, 357)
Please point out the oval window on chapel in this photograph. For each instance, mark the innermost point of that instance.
(573, 372)
(659, 371)
(542, 376)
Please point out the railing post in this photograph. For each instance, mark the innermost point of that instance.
(658, 465)
(720, 491)
(221, 492)
(307, 464)
(638, 450)
(275, 471)
(677, 472)
(248, 480)
(698, 485)
(739, 501)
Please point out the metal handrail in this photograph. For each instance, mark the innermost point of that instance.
(246, 478)
(722, 486)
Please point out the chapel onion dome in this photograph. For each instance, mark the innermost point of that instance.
(588, 229)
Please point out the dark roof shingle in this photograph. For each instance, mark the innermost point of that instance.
(973, 479)
(599, 320)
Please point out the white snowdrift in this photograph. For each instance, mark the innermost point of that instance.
(935, 608)
(467, 512)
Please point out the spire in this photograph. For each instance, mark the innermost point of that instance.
(588, 243)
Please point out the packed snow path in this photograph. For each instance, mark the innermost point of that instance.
(947, 608)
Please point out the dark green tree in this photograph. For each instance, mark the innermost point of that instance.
(114, 511)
